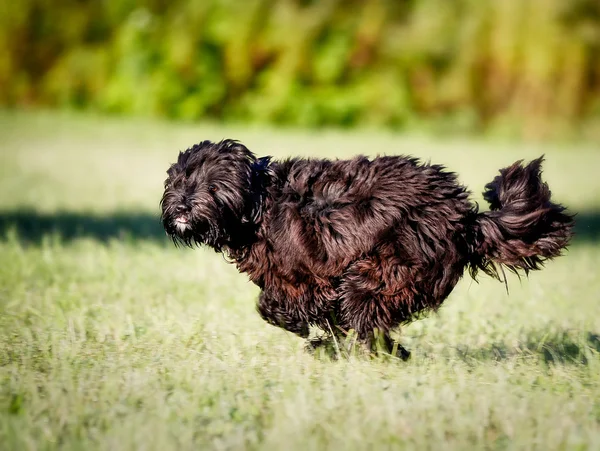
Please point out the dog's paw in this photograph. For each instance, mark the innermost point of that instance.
(400, 351)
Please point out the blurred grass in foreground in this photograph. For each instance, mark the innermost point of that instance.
(112, 339)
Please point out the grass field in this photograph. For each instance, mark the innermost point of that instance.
(110, 338)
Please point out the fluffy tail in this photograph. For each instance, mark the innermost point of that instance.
(524, 228)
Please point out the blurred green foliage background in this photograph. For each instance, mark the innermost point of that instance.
(525, 67)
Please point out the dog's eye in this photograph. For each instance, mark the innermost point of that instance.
(213, 188)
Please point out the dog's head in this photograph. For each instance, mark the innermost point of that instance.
(207, 193)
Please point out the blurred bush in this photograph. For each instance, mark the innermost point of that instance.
(531, 66)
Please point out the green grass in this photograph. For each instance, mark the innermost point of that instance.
(110, 338)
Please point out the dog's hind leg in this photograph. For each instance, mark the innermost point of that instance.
(374, 300)
(371, 320)
(394, 348)
(278, 313)
(378, 342)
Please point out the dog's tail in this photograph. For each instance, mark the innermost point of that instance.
(523, 229)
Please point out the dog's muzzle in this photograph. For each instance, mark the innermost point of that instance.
(182, 223)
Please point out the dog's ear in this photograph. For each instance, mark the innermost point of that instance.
(236, 149)
(172, 171)
(183, 157)
(182, 160)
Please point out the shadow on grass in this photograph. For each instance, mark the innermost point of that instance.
(32, 226)
(587, 226)
(558, 347)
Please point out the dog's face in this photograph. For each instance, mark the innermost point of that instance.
(205, 197)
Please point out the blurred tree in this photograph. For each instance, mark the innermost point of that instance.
(531, 66)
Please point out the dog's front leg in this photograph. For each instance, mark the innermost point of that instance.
(279, 313)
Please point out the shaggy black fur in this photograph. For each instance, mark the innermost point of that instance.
(361, 244)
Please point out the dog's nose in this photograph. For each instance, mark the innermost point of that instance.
(181, 209)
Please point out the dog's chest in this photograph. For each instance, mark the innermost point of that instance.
(265, 269)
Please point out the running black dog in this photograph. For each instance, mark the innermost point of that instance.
(361, 244)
